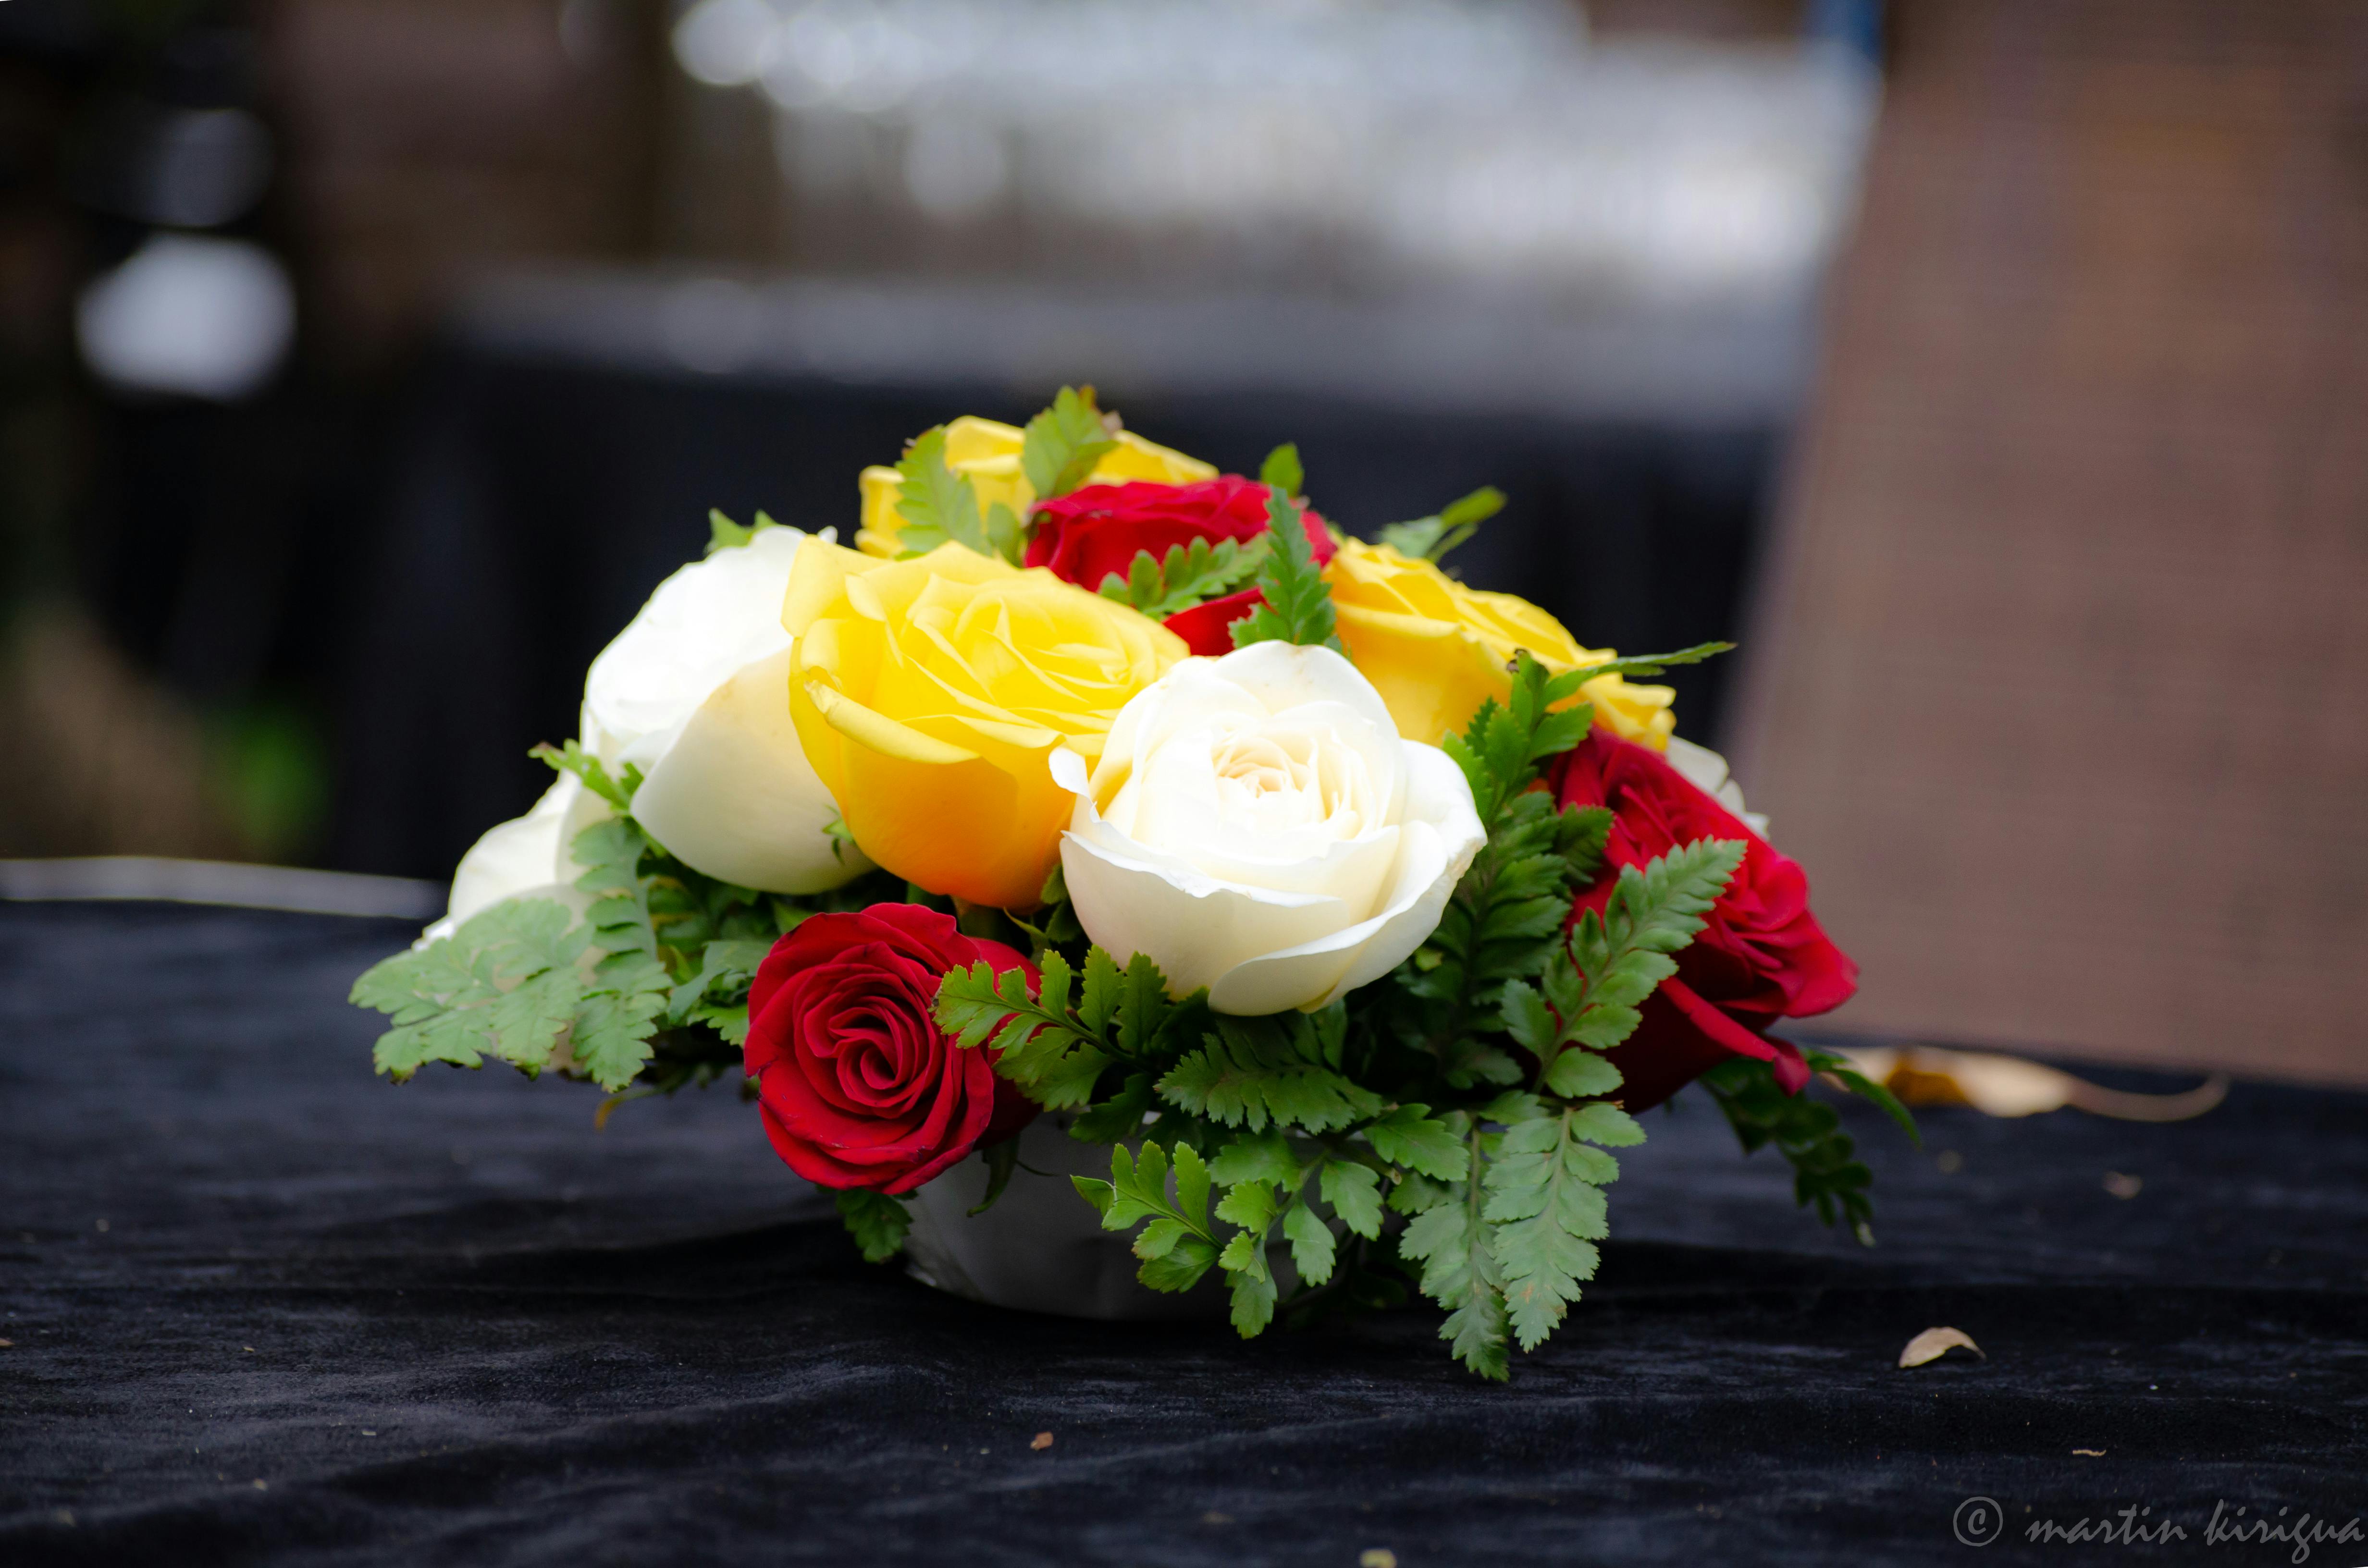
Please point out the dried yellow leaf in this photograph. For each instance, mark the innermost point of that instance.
(1934, 1343)
(2009, 1086)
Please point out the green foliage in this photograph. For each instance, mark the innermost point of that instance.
(1827, 1172)
(877, 1221)
(572, 759)
(1431, 538)
(1190, 574)
(1064, 442)
(505, 985)
(1504, 919)
(1297, 601)
(1058, 452)
(1254, 1207)
(841, 838)
(1410, 1136)
(1505, 990)
(726, 965)
(644, 994)
(1545, 1208)
(1647, 665)
(1177, 1246)
(1450, 1237)
(520, 974)
(1499, 751)
(939, 505)
(1866, 1088)
(620, 914)
(1006, 535)
(725, 534)
(1592, 985)
(1266, 1184)
(1002, 1159)
(1354, 1191)
(1052, 1047)
(1053, 923)
(1282, 1071)
(1281, 472)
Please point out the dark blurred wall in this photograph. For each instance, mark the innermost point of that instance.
(178, 568)
(182, 575)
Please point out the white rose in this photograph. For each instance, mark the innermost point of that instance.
(695, 692)
(1257, 826)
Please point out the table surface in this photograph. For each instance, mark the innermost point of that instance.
(261, 1306)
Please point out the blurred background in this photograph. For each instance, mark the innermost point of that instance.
(1994, 369)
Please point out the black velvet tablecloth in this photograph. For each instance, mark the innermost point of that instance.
(261, 1306)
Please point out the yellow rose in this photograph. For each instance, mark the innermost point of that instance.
(930, 694)
(988, 454)
(1437, 650)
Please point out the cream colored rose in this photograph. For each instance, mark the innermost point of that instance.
(1257, 826)
(695, 692)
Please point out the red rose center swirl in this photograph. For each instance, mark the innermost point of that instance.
(858, 1086)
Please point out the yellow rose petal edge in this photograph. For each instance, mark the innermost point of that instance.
(1435, 649)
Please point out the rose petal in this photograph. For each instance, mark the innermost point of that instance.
(735, 796)
(526, 852)
(1196, 927)
(1437, 847)
(705, 622)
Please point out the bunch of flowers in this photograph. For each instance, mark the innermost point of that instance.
(1356, 910)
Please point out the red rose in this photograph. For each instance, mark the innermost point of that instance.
(857, 1084)
(1761, 956)
(1092, 533)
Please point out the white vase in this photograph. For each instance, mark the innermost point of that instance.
(1041, 1248)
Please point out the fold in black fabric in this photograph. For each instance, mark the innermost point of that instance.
(263, 1307)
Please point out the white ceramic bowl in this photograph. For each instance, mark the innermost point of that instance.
(1042, 1247)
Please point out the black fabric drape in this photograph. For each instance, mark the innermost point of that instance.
(262, 1307)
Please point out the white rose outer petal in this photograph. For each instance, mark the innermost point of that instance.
(695, 692)
(733, 795)
(1268, 915)
(526, 855)
(703, 625)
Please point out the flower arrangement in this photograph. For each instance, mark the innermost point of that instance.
(1356, 911)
